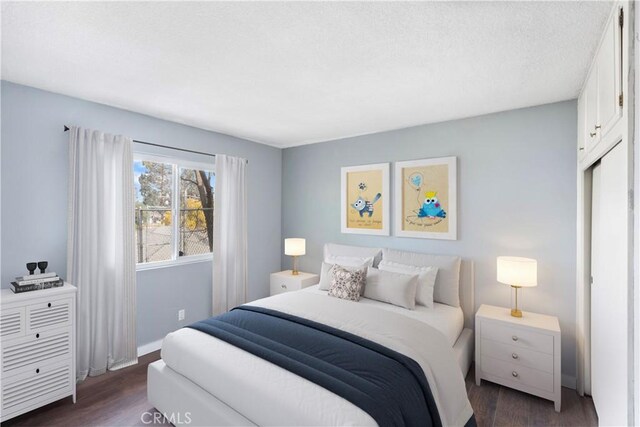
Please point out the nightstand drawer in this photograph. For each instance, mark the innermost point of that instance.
(280, 286)
(518, 337)
(519, 356)
(284, 281)
(517, 374)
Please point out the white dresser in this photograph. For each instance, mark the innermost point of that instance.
(521, 353)
(37, 342)
(284, 281)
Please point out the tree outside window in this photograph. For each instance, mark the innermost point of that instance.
(158, 237)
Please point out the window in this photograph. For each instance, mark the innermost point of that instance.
(174, 211)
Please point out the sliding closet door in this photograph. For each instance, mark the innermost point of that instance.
(609, 340)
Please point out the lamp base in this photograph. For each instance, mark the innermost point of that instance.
(294, 271)
(515, 312)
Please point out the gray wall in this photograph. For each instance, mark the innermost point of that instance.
(516, 196)
(34, 199)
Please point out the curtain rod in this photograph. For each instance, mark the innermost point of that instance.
(66, 128)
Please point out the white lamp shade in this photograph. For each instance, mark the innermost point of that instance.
(517, 271)
(294, 247)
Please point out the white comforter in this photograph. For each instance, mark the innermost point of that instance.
(445, 318)
(269, 395)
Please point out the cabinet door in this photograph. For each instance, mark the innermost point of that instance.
(590, 95)
(609, 66)
(582, 135)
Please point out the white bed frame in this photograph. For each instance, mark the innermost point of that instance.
(464, 345)
(183, 402)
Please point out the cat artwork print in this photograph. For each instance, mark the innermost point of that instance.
(365, 199)
(365, 207)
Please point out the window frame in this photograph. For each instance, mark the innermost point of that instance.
(176, 164)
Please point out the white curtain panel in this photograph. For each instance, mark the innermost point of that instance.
(101, 250)
(230, 234)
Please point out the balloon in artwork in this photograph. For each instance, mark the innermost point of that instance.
(415, 180)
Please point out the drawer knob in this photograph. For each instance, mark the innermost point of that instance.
(515, 374)
(37, 335)
(49, 305)
(515, 338)
(38, 371)
(514, 355)
(283, 286)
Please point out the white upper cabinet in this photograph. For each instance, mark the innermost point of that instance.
(600, 103)
(591, 133)
(609, 68)
(581, 120)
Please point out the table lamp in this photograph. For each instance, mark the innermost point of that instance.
(519, 273)
(294, 247)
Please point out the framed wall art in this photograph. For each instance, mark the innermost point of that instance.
(365, 199)
(425, 198)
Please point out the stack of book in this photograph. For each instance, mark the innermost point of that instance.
(36, 282)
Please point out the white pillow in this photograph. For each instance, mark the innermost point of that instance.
(325, 273)
(426, 279)
(334, 249)
(349, 261)
(393, 288)
(447, 288)
(325, 276)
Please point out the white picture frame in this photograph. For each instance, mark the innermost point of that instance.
(375, 180)
(426, 221)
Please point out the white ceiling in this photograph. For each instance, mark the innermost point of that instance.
(287, 74)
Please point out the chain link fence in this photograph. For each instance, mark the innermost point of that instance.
(154, 233)
(194, 236)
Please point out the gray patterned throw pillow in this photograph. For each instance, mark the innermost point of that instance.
(346, 283)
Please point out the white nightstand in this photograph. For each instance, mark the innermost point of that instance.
(521, 353)
(284, 281)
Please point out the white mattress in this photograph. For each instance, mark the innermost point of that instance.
(445, 318)
(269, 395)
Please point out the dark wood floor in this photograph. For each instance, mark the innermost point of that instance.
(120, 399)
(117, 398)
(495, 405)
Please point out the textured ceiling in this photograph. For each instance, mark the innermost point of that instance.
(287, 74)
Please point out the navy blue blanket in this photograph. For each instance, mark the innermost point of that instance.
(389, 386)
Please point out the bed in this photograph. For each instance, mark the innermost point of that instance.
(202, 380)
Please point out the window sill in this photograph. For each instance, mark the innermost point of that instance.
(175, 263)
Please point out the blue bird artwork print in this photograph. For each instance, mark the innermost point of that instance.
(431, 208)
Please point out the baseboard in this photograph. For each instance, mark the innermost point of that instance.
(568, 381)
(150, 347)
